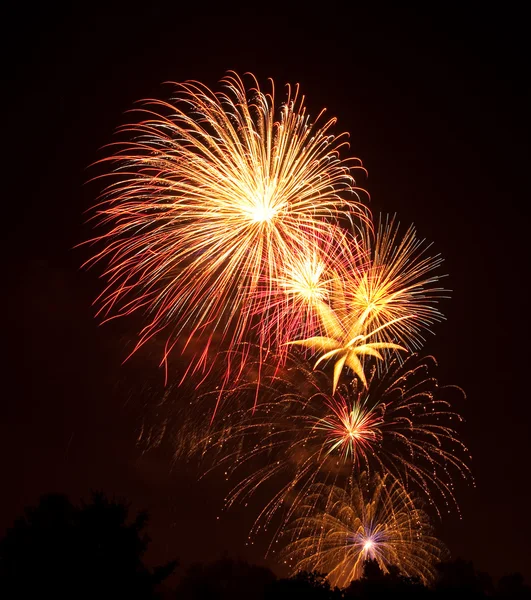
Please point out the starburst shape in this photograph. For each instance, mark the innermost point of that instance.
(349, 430)
(347, 340)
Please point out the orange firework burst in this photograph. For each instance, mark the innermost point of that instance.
(215, 194)
(338, 530)
(297, 435)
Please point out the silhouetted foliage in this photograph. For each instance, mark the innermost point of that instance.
(58, 550)
(377, 584)
(458, 579)
(225, 579)
(237, 580)
(512, 586)
(304, 585)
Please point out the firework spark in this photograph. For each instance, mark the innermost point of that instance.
(338, 530)
(215, 193)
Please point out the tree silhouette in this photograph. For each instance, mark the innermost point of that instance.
(459, 579)
(225, 579)
(377, 584)
(512, 586)
(304, 585)
(58, 550)
(238, 580)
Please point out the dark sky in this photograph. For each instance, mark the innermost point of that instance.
(437, 106)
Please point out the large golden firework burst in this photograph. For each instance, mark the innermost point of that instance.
(213, 195)
(380, 304)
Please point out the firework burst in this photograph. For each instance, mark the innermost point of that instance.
(346, 343)
(235, 227)
(337, 530)
(297, 436)
(214, 194)
(305, 284)
(396, 292)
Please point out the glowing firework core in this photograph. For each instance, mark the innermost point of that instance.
(262, 212)
(352, 431)
(339, 529)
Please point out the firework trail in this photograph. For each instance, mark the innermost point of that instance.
(337, 530)
(214, 194)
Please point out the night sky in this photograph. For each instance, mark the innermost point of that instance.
(437, 107)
